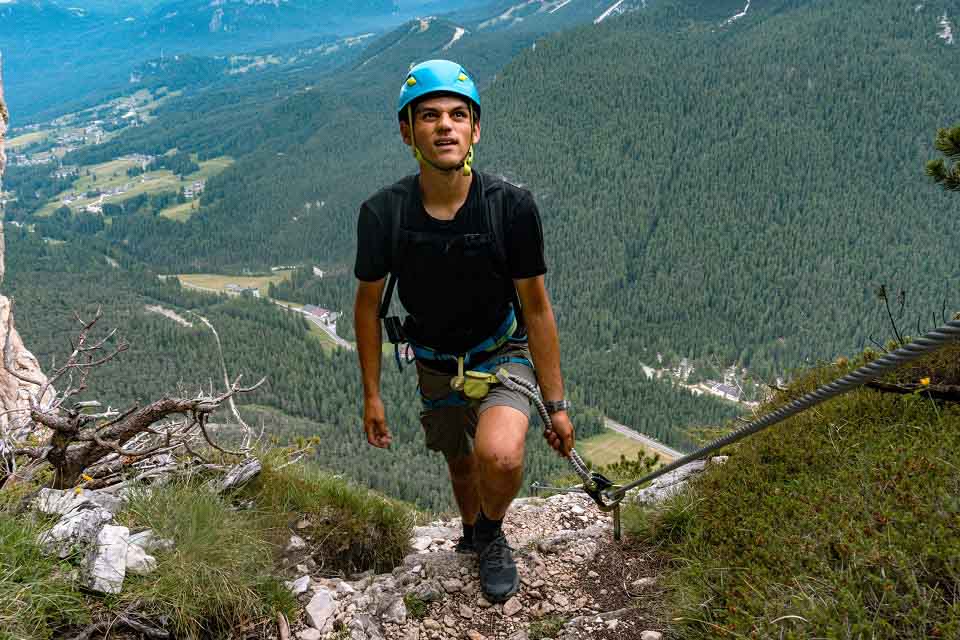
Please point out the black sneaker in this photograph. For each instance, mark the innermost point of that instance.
(498, 572)
(465, 546)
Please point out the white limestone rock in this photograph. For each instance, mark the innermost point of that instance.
(512, 606)
(77, 528)
(321, 609)
(298, 586)
(296, 543)
(421, 544)
(669, 484)
(139, 562)
(55, 501)
(106, 565)
(395, 612)
(150, 541)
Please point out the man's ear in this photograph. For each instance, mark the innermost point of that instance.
(476, 132)
(405, 132)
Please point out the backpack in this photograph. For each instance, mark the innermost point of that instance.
(491, 201)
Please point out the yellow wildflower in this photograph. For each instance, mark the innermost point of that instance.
(86, 477)
(924, 381)
(78, 490)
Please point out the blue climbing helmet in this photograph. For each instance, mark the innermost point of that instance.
(438, 76)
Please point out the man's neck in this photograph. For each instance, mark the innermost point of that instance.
(443, 193)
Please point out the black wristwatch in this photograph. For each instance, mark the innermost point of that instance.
(555, 406)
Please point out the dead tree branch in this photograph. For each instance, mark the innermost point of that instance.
(82, 437)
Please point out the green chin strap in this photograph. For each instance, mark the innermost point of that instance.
(467, 162)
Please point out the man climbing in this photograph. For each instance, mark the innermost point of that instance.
(466, 252)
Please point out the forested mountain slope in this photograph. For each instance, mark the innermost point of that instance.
(741, 189)
(745, 184)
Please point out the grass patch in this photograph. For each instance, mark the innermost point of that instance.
(548, 627)
(27, 139)
(609, 447)
(181, 212)
(218, 575)
(843, 522)
(416, 608)
(216, 282)
(38, 597)
(226, 568)
(113, 174)
(352, 529)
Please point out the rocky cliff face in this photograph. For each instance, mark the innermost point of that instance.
(4, 119)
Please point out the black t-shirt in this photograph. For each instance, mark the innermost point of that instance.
(456, 296)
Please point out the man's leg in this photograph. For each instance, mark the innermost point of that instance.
(499, 445)
(463, 472)
(463, 478)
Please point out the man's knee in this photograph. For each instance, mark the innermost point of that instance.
(500, 440)
(502, 462)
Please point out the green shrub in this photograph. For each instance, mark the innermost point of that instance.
(360, 529)
(842, 522)
(217, 576)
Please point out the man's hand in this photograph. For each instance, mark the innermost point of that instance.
(375, 423)
(561, 437)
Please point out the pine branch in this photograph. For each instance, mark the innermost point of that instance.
(948, 142)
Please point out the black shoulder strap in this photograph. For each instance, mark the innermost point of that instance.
(495, 212)
(398, 210)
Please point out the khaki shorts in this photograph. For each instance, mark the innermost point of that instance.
(451, 430)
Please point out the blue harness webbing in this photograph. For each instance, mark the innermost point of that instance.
(500, 337)
(456, 398)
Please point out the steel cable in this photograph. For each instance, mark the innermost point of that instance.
(923, 345)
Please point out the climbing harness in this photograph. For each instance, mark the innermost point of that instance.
(470, 387)
(608, 498)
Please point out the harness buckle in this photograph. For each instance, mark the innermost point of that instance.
(394, 328)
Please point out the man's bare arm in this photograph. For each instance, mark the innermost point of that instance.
(545, 349)
(369, 340)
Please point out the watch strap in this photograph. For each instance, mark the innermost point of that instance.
(554, 406)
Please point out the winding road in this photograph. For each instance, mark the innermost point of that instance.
(659, 447)
(340, 342)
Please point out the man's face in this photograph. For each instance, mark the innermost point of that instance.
(442, 127)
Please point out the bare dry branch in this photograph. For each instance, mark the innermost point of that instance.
(202, 420)
(223, 367)
(129, 452)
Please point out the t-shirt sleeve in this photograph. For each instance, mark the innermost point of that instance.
(525, 240)
(373, 246)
